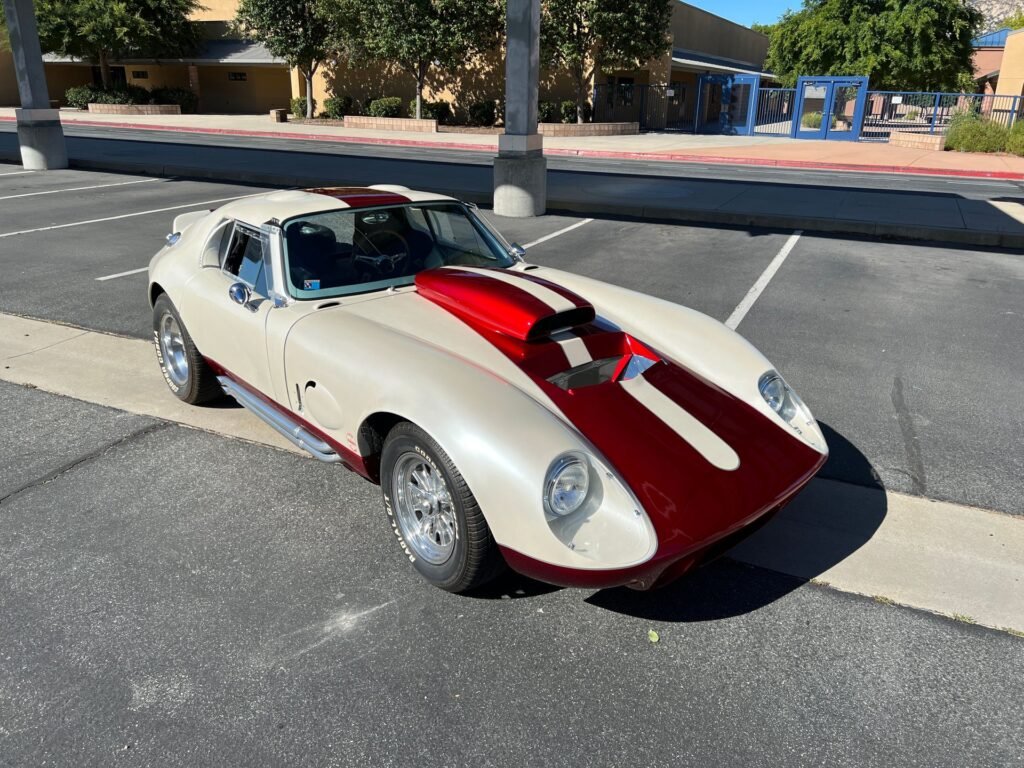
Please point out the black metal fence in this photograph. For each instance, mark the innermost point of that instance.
(654, 107)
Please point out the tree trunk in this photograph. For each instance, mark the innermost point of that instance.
(420, 75)
(580, 101)
(309, 93)
(104, 59)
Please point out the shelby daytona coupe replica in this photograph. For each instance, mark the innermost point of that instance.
(581, 433)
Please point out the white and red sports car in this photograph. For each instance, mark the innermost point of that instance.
(581, 433)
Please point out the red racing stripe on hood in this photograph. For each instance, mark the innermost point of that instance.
(701, 461)
(511, 303)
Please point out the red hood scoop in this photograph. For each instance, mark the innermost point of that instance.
(512, 303)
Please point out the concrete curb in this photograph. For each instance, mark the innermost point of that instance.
(695, 216)
(672, 157)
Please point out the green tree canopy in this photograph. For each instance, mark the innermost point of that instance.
(1016, 21)
(302, 32)
(420, 34)
(912, 45)
(582, 35)
(102, 30)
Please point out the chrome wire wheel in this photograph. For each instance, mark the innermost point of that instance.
(172, 350)
(423, 508)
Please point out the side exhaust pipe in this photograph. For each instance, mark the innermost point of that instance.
(295, 433)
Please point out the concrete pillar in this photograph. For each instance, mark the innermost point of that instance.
(39, 131)
(520, 170)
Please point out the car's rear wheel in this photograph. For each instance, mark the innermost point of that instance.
(434, 515)
(186, 372)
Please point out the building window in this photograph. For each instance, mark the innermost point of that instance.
(140, 74)
(625, 89)
(238, 76)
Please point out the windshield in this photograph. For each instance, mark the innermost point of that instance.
(338, 253)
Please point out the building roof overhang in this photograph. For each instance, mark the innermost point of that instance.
(700, 62)
(211, 52)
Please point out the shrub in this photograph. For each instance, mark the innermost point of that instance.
(482, 113)
(1015, 141)
(389, 106)
(567, 111)
(433, 110)
(298, 106)
(547, 112)
(970, 133)
(80, 96)
(183, 97)
(336, 107)
(129, 94)
(812, 120)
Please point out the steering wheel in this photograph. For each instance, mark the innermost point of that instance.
(383, 254)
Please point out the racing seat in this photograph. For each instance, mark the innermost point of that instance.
(314, 254)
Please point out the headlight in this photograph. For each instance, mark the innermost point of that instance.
(784, 401)
(567, 484)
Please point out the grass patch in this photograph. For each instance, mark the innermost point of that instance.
(883, 600)
(964, 618)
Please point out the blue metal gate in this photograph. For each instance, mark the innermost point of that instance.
(726, 104)
(829, 108)
(916, 112)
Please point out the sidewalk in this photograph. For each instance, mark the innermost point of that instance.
(671, 147)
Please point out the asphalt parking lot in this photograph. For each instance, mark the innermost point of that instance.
(174, 597)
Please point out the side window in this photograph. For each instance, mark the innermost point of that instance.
(243, 258)
(458, 231)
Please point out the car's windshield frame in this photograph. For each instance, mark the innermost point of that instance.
(503, 255)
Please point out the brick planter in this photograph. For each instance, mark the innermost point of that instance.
(135, 109)
(588, 129)
(907, 140)
(391, 123)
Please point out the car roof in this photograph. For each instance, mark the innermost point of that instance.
(286, 204)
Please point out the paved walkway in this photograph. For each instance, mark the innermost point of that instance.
(673, 147)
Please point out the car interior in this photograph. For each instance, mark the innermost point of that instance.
(381, 246)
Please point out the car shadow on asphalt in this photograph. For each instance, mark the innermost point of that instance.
(831, 518)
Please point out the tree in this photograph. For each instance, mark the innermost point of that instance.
(1016, 21)
(582, 35)
(899, 44)
(299, 31)
(420, 34)
(104, 30)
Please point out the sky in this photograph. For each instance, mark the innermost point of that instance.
(746, 12)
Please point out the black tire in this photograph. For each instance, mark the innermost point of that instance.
(474, 559)
(199, 383)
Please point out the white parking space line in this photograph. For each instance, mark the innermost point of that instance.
(762, 282)
(121, 274)
(15, 173)
(553, 235)
(80, 189)
(125, 216)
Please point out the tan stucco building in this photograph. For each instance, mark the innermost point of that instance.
(236, 76)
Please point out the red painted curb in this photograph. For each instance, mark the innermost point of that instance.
(673, 157)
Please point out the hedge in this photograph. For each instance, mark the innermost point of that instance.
(337, 107)
(81, 96)
(482, 113)
(968, 132)
(548, 112)
(1015, 141)
(389, 106)
(432, 110)
(568, 111)
(298, 106)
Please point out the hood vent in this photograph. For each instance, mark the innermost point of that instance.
(522, 306)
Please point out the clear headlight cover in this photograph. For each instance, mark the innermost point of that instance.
(784, 401)
(567, 485)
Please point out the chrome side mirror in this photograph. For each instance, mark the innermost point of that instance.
(517, 251)
(239, 293)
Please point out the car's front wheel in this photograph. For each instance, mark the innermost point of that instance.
(433, 514)
(186, 372)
